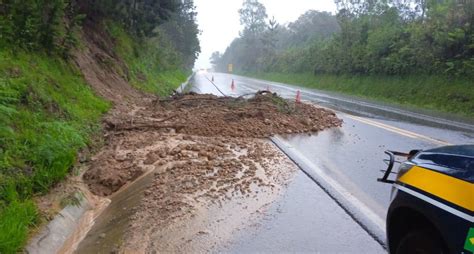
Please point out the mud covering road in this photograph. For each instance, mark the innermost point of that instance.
(185, 173)
(130, 137)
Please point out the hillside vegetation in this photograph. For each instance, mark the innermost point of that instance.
(378, 49)
(48, 112)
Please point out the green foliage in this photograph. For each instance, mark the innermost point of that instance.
(154, 64)
(423, 37)
(181, 33)
(272, 47)
(139, 17)
(434, 92)
(49, 25)
(412, 52)
(53, 25)
(373, 37)
(48, 113)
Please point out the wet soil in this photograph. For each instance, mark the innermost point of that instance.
(136, 140)
(207, 170)
(194, 200)
(263, 115)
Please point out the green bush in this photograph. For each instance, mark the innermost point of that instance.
(154, 64)
(40, 25)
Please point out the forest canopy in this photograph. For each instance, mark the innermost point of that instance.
(389, 37)
(53, 25)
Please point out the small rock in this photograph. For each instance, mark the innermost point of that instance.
(121, 157)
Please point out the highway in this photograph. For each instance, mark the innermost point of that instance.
(347, 159)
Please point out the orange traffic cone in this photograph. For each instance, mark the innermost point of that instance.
(298, 97)
(232, 86)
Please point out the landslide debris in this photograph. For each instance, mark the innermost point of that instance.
(197, 174)
(263, 115)
(210, 171)
(136, 138)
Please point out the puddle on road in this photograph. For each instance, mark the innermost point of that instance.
(193, 205)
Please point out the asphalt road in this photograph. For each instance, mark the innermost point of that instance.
(351, 158)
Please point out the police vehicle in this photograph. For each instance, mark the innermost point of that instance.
(432, 201)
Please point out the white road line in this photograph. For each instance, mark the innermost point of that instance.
(334, 189)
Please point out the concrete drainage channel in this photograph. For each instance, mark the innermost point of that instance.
(69, 226)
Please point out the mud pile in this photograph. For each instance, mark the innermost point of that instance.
(137, 138)
(263, 115)
(208, 170)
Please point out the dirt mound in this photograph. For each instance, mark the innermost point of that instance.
(264, 115)
(136, 139)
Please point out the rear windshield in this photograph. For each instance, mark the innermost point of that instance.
(459, 166)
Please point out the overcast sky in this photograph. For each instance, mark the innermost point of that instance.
(219, 20)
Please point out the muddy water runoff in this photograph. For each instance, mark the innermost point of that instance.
(125, 226)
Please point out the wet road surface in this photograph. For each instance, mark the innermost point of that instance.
(299, 223)
(351, 155)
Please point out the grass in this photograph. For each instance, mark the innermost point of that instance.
(153, 64)
(47, 114)
(437, 93)
(15, 220)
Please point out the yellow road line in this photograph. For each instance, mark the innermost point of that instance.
(390, 128)
(398, 130)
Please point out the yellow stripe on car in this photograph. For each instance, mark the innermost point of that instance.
(451, 189)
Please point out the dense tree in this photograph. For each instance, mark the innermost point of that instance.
(33, 24)
(366, 37)
(182, 30)
(139, 16)
(252, 17)
(52, 25)
(276, 47)
(403, 37)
